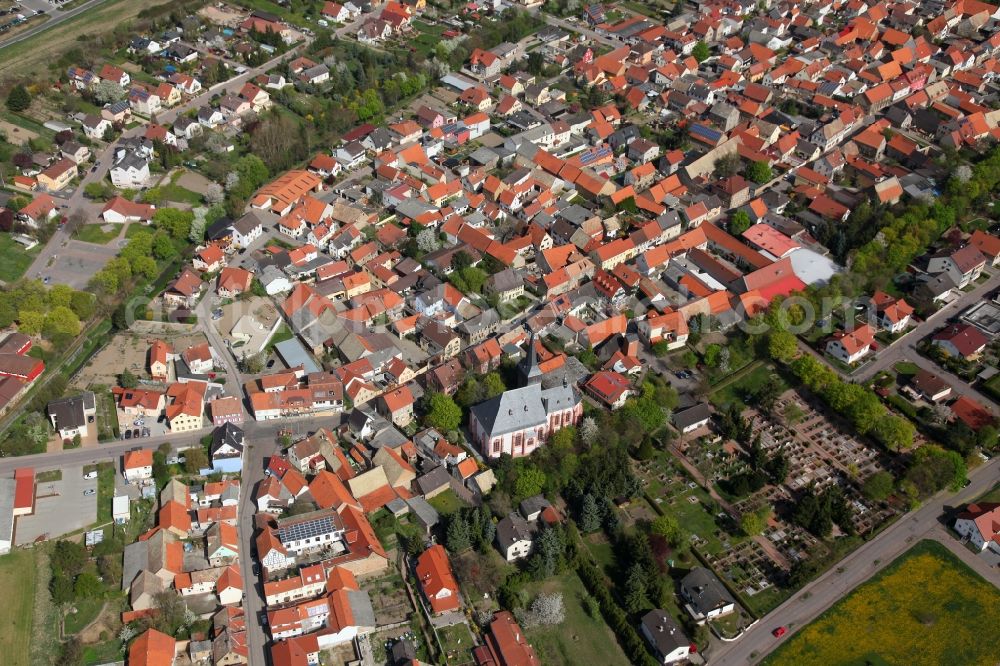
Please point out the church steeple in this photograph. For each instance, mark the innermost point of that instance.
(529, 369)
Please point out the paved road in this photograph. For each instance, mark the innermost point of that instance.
(55, 18)
(257, 451)
(578, 26)
(902, 349)
(853, 570)
(234, 378)
(111, 450)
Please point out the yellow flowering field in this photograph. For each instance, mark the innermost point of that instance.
(927, 607)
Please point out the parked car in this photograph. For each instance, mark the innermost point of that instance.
(128, 434)
(90, 475)
(135, 433)
(89, 491)
(779, 632)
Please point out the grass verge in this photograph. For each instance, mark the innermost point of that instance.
(17, 580)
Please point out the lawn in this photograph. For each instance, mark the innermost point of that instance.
(87, 611)
(927, 607)
(427, 37)
(105, 491)
(283, 333)
(102, 653)
(447, 503)
(733, 390)
(906, 368)
(456, 642)
(17, 580)
(95, 233)
(580, 639)
(137, 228)
(14, 259)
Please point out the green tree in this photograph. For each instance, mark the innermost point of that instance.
(127, 379)
(61, 325)
(739, 222)
(163, 247)
(781, 346)
(700, 51)
(457, 536)
(443, 413)
(87, 586)
(759, 172)
(668, 527)
(175, 222)
(529, 482)
(635, 590)
(30, 322)
(878, 486)
(68, 558)
(82, 304)
(645, 450)
(59, 295)
(895, 432)
(493, 385)
(144, 266)
(753, 523)
(61, 589)
(195, 460)
(590, 514)
(18, 98)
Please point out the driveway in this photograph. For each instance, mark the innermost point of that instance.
(60, 508)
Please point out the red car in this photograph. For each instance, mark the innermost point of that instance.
(779, 632)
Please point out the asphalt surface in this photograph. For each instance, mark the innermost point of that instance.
(905, 347)
(856, 568)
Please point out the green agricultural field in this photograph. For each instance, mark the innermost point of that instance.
(927, 607)
(17, 580)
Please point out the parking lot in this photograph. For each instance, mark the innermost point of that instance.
(76, 262)
(147, 427)
(61, 507)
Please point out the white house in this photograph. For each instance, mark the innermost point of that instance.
(514, 537)
(137, 465)
(851, 346)
(892, 314)
(980, 524)
(132, 171)
(271, 554)
(704, 595)
(692, 418)
(665, 636)
(310, 532)
(351, 155)
(964, 265)
(249, 228)
(72, 416)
